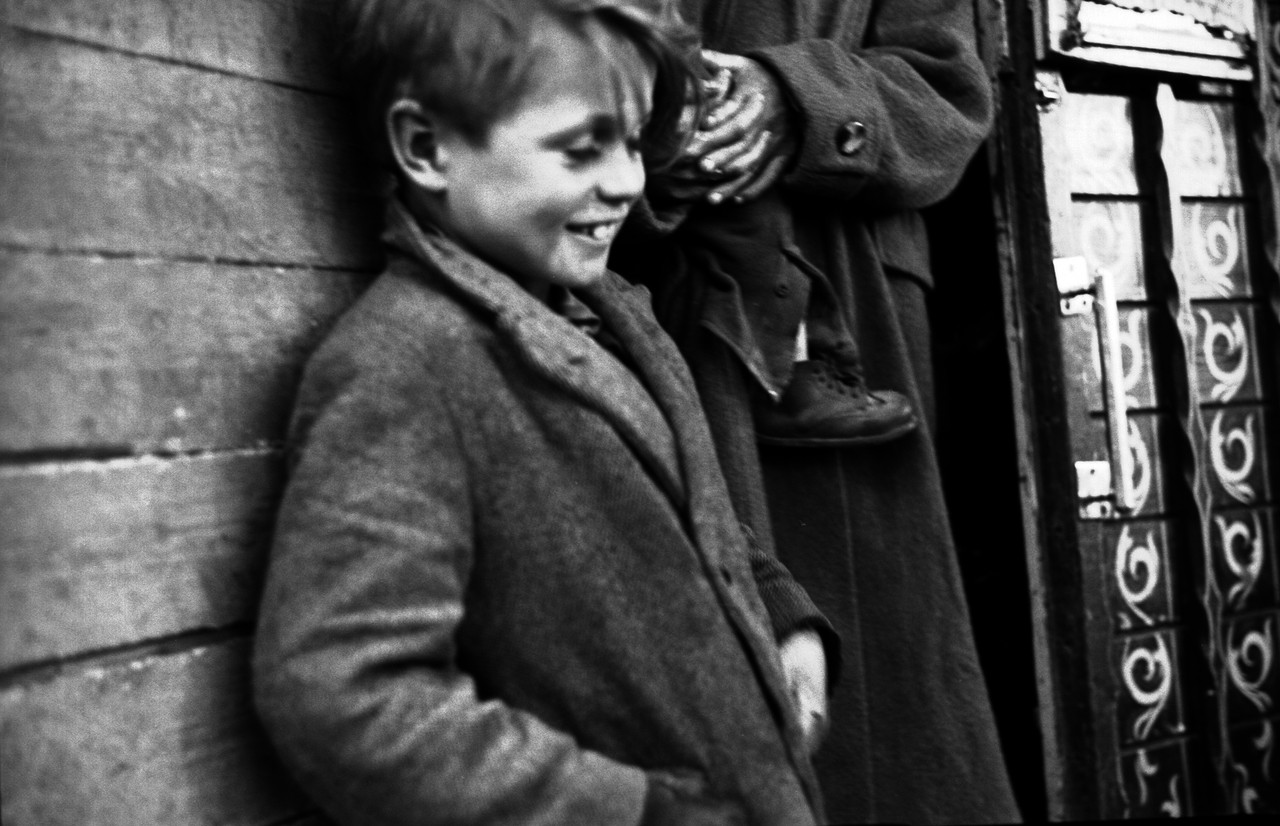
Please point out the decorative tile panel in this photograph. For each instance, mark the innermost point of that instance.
(1145, 432)
(1149, 692)
(1243, 545)
(1237, 454)
(1253, 687)
(1137, 560)
(1227, 357)
(1253, 771)
(1154, 782)
(1214, 248)
(1100, 144)
(1209, 163)
(1167, 736)
(1110, 237)
(1081, 348)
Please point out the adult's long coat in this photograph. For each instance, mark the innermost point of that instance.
(892, 103)
(507, 584)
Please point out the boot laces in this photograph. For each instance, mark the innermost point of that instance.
(848, 382)
(845, 382)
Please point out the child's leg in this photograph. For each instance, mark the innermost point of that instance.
(827, 403)
(756, 300)
(761, 294)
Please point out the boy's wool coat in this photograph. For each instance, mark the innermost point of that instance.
(892, 102)
(504, 580)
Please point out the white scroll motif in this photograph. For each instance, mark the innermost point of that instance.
(1141, 467)
(1140, 563)
(1173, 806)
(1131, 340)
(1249, 796)
(1101, 143)
(1248, 571)
(1264, 743)
(1203, 149)
(1227, 381)
(1152, 688)
(1107, 240)
(1146, 768)
(1215, 246)
(1233, 479)
(1249, 665)
(1133, 356)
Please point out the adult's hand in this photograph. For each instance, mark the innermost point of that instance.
(804, 664)
(684, 181)
(747, 141)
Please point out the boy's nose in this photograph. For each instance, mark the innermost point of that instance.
(622, 175)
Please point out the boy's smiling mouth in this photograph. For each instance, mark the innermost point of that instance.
(598, 231)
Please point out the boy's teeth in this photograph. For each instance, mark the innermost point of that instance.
(596, 232)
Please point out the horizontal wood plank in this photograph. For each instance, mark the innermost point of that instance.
(158, 741)
(102, 554)
(282, 41)
(113, 153)
(154, 355)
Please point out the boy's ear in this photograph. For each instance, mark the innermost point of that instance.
(415, 136)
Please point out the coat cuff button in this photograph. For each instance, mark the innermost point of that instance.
(850, 137)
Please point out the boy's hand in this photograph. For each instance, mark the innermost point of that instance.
(746, 141)
(804, 664)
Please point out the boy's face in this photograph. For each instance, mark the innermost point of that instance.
(544, 197)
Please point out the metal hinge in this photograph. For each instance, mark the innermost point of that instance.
(1050, 90)
(1075, 286)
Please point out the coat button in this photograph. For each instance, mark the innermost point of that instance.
(850, 137)
(782, 289)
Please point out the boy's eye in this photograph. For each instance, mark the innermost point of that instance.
(593, 148)
(582, 151)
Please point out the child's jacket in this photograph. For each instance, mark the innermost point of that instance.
(504, 579)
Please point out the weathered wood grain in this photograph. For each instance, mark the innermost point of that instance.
(282, 41)
(154, 355)
(157, 741)
(101, 554)
(110, 152)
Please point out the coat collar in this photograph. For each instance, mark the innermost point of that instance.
(562, 353)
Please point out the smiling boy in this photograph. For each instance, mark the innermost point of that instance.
(506, 584)
(542, 195)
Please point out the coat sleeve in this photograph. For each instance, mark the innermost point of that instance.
(721, 383)
(355, 669)
(892, 124)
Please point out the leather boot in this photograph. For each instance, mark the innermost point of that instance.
(828, 406)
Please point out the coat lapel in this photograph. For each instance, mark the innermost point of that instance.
(627, 310)
(553, 347)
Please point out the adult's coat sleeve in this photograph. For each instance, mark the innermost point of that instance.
(888, 123)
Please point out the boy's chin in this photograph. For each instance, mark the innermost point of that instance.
(581, 276)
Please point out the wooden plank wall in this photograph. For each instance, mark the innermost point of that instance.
(182, 215)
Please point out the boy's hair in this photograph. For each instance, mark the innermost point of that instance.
(470, 61)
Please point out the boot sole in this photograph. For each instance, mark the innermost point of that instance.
(838, 441)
